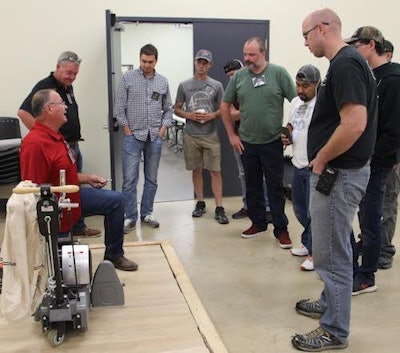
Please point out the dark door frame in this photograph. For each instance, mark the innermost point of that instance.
(111, 21)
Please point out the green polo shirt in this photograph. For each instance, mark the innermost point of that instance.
(260, 99)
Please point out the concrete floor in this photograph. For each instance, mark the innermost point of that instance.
(249, 286)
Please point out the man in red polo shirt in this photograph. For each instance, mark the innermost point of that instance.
(44, 152)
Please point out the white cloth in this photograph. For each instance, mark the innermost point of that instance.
(300, 118)
(22, 253)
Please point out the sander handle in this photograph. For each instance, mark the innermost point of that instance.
(62, 188)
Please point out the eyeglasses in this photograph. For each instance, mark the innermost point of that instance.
(305, 34)
(56, 103)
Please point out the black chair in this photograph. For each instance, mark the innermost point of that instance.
(10, 141)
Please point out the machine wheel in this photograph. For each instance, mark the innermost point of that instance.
(54, 338)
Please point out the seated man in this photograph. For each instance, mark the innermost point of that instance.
(44, 152)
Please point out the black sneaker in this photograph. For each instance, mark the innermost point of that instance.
(242, 213)
(199, 209)
(317, 341)
(310, 309)
(361, 287)
(220, 215)
(385, 262)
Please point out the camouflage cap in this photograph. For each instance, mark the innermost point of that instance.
(366, 33)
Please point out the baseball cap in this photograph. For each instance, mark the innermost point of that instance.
(366, 33)
(204, 54)
(308, 73)
(234, 64)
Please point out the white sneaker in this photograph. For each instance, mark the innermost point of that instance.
(308, 264)
(299, 251)
(129, 225)
(150, 221)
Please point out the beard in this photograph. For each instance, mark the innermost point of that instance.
(303, 97)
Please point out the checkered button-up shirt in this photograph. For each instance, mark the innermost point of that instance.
(144, 104)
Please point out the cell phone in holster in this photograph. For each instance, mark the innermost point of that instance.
(326, 180)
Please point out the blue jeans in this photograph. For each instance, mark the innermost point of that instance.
(131, 157)
(370, 219)
(242, 179)
(109, 204)
(301, 203)
(265, 162)
(331, 223)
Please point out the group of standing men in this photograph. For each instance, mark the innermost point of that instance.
(352, 146)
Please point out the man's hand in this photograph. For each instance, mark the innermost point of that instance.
(96, 181)
(317, 166)
(236, 143)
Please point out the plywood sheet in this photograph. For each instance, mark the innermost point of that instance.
(162, 313)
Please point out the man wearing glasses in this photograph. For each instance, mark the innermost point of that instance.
(370, 44)
(341, 139)
(44, 153)
(61, 80)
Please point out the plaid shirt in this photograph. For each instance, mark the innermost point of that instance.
(144, 104)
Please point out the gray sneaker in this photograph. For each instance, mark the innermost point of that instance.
(200, 209)
(129, 225)
(310, 309)
(220, 215)
(317, 341)
(150, 221)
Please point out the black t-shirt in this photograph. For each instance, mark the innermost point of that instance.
(71, 130)
(388, 131)
(348, 80)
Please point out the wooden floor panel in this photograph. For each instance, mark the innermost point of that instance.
(162, 313)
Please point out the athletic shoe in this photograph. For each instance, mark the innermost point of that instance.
(242, 213)
(308, 264)
(252, 232)
(299, 251)
(361, 287)
(385, 262)
(317, 341)
(129, 225)
(220, 215)
(200, 209)
(284, 240)
(310, 309)
(149, 221)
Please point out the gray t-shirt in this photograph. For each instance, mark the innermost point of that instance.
(195, 95)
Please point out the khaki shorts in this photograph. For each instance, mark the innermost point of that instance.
(202, 152)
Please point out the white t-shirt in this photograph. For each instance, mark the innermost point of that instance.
(300, 117)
